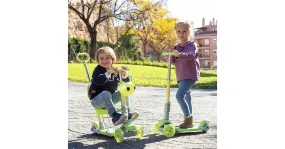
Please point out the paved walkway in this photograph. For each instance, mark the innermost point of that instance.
(149, 102)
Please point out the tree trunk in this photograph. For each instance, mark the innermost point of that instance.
(93, 50)
(144, 48)
(108, 29)
(158, 56)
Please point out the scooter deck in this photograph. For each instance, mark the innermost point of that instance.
(128, 126)
(203, 126)
(185, 130)
(105, 131)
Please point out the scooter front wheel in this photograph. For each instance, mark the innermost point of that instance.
(140, 132)
(155, 128)
(169, 130)
(119, 135)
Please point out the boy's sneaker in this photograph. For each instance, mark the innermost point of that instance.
(132, 116)
(118, 119)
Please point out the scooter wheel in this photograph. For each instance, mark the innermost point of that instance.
(140, 132)
(95, 124)
(169, 130)
(93, 129)
(155, 128)
(119, 135)
(206, 128)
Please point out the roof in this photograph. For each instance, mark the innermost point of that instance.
(201, 27)
(206, 32)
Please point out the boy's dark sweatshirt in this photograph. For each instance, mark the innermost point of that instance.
(100, 82)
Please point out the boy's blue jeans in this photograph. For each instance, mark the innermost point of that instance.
(107, 100)
(183, 96)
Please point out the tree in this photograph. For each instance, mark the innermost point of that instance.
(163, 35)
(145, 23)
(94, 12)
(127, 48)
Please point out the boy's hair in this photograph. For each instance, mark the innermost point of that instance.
(105, 49)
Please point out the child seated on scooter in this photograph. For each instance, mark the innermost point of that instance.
(104, 84)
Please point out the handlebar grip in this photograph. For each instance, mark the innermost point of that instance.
(166, 53)
(122, 69)
(111, 70)
(82, 54)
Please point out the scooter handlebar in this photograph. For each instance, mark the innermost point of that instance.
(82, 54)
(171, 53)
(111, 70)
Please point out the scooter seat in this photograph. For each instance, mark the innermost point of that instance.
(101, 111)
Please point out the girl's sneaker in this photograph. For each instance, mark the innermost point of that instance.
(118, 119)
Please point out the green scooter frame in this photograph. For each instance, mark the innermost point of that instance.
(127, 128)
(165, 126)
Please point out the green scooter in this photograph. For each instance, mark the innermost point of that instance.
(165, 126)
(125, 129)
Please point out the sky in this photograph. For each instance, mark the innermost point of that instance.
(193, 10)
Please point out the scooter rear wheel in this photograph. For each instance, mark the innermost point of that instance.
(140, 132)
(169, 130)
(119, 135)
(206, 127)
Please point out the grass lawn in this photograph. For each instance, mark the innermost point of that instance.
(144, 75)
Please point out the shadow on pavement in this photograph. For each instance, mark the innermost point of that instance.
(129, 142)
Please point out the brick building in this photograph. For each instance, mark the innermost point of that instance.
(206, 38)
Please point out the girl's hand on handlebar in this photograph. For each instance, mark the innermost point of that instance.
(175, 53)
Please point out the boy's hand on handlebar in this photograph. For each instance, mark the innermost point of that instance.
(125, 68)
(116, 69)
(113, 70)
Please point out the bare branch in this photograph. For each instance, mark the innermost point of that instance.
(106, 2)
(122, 19)
(104, 18)
(126, 32)
(115, 5)
(76, 11)
(83, 6)
(99, 15)
(92, 9)
(115, 10)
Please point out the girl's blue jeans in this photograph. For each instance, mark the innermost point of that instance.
(183, 96)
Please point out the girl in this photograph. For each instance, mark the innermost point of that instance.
(187, 69)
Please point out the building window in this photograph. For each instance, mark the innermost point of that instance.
(206, 42)
(215, 63)
(214, 29)
(215, 52)
(207, 63)
(215, 41)
(207, 53)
